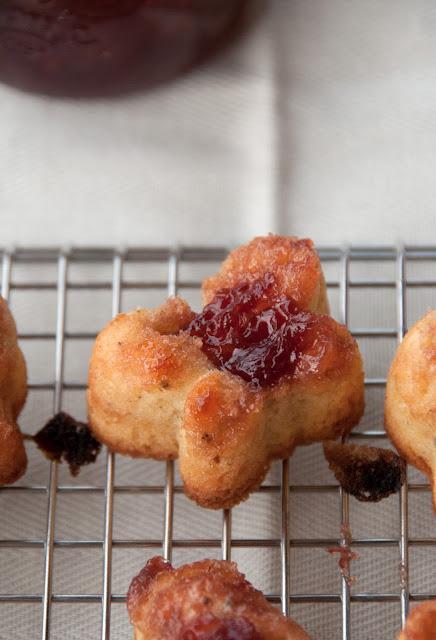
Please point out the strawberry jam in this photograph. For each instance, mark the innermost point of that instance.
(253, 332)
(208, 627)
(88, 47)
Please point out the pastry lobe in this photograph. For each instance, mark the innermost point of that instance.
(223, 444)
(293, 261)
(421, 623)
(141, 371)
(206, 600)
(410, 409)
(226, 391)
(13, 391)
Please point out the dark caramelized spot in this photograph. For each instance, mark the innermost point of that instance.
(64, 438)
(368, 473)
(253, 332)
(208, 627)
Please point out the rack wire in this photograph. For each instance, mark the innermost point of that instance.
(340, 282)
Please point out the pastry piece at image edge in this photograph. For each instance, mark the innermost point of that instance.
(421, 623)
(13, 391)
(259, 371)
(410, 408)
(206, 600)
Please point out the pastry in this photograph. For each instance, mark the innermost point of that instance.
(13, 391)
(410, 409)
(231, 389)
(421, 623)
(207, 600)
(293, 261)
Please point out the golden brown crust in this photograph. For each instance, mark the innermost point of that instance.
(222, 441)
(294, 262)
(326, 391)
(155, 395)
(139, 379)
(207, 596)
(410, 408)
(13, 391)
(421, 623)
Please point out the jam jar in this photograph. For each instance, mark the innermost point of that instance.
(100, 47)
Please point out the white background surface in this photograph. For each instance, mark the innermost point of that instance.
(321, 122)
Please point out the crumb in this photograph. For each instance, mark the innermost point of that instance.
(367, 473)
(64, 438)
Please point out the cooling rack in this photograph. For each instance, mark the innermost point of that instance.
(57, 299)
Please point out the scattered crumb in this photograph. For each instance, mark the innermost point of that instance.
(367, 473)
(346, 556)
(64, 438)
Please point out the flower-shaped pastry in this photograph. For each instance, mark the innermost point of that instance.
(421, 623)
(206, 600)
(410, 408)
(227, 391)
(13, 391)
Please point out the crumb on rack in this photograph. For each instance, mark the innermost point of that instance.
(65, 438)
(367, 473)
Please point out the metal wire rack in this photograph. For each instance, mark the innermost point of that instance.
(342, 284)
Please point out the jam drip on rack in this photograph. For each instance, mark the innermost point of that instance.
(253, 332)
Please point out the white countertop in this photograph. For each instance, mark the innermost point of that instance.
(321, 122)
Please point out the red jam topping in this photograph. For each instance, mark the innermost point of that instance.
(253, 332)
(207, 627)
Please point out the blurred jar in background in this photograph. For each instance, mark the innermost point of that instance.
(99, 47)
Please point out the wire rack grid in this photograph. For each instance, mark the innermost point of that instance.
(342, 283)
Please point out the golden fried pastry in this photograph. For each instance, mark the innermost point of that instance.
(410, 409)
(421, 623)
(13, 390)
(293, 261)
(233, 388)
(207, 600)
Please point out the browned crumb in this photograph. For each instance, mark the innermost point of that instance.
(64, 438)
(367, 473)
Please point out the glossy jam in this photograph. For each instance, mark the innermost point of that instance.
(253, 332)
(207, 627)
(93, 47)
